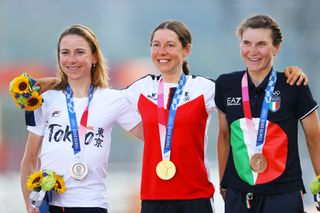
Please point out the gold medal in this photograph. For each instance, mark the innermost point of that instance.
(78, 170)
(166, 169)
(258, 163)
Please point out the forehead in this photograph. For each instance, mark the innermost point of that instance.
(165, 35)
(256, 35)
(73, 41)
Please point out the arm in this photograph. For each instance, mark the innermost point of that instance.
(223, 146)
(311, 129)
(46, 83)
(137, 131)
(295, 75)
(29, 165)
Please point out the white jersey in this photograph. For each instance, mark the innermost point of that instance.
(106, 108)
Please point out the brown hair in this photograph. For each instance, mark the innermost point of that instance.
(99, 76)
(265, 22)
(183, 33)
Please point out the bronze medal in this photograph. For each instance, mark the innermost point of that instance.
(166, 169)
(258, 163)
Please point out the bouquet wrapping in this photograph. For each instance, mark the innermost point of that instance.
(41, 183)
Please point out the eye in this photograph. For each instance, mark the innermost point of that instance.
(80, 51)
(155, 44)
(64, 52)
(170, 45)
(246, 43)
(261, 44)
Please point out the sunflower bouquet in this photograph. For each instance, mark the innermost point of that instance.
(24, 92)
(315, 190)
(41, 183)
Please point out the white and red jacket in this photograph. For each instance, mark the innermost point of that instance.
(189, 141)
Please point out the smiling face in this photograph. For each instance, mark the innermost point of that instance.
(167, 52)
(257, 49)
(76, 58)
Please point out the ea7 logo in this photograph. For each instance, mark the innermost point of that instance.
(233, 101)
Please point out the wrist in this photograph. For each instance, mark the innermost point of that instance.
(222, 190)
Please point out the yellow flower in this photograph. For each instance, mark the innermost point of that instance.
(34, 101)
(34, 180)
(59, 186)
(46, 180)
(20, 84)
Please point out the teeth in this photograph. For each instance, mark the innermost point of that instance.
(253, 59)
(163, 61)
(73, 68)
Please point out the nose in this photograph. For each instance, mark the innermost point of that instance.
(254, 49)
(163, 50)
(73, 58)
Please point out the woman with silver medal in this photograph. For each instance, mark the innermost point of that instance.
(70, 133)
(176, 108)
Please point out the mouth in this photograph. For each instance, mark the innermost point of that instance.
(73, 68)
(254, 59)
(163, 61)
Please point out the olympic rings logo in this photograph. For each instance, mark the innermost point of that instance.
(276, 93)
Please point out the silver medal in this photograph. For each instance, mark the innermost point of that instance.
(78, 170)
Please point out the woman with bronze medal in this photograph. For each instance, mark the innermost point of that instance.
(258, 154)
(176, 109)
(70, 133)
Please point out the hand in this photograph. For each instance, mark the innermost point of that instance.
(223, 192)
(46, 83)
(295, 76)
(32, 210)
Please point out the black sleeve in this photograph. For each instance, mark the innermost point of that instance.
(305, 102)
(218, 96)
(30, 120)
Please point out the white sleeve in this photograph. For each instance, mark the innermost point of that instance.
(128, 116)
(40, 120)
(133, 92)
(209, 96)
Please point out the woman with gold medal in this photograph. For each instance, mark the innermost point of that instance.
(175, 108)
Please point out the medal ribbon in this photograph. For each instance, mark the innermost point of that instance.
(259, 135)
(73, 119)
(168, 129)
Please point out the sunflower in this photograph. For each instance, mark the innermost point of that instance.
(59, 186)
(34, 180)
(34, 101)
(15, 97)
(20, 84)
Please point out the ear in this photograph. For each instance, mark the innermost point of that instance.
(276, 49)
(187, 50)
(94, 58)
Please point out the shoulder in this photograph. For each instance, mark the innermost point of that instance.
(232, 76)
(107, 93)
(52, 96)
(200, 82)
(51, 93)
(203, 79)
(147, 79)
